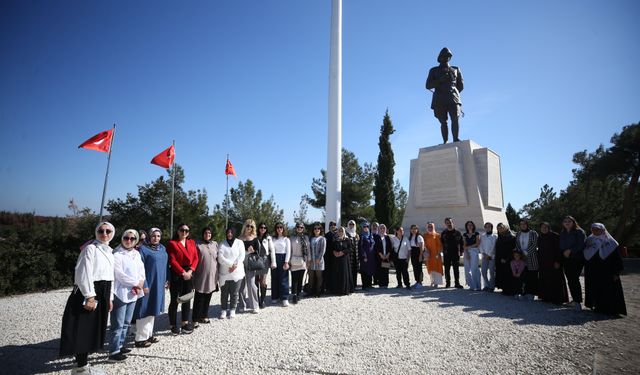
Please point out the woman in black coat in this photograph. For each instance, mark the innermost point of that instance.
(505, 244)
(342, 282)
(552, 287)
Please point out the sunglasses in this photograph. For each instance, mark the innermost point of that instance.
(249, 226)
(300, 227)
(279, 227)
(104, 231)
(317, 228)
(128, 238)
(183, 230)
(262, 228)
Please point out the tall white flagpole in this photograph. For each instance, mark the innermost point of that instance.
(334, 148)
(106, 175)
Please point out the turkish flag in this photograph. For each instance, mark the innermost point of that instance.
(99, 142)
(229, 169)
(165, 158)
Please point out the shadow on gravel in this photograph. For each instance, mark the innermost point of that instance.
(485, 304)
(32, 358)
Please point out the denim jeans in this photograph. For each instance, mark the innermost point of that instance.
(120, 320)
(489, 265)
(472, 273)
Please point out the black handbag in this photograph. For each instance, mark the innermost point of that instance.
(256, 263)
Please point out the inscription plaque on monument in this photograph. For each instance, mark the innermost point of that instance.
(461, 180)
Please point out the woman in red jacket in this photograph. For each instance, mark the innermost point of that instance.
(183, 260)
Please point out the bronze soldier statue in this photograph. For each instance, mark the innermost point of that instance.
(447, 82)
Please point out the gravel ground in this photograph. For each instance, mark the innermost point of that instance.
(444, 331)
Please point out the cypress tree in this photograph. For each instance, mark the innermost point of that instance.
(383, 185)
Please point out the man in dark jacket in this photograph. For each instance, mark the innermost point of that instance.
(452, 247)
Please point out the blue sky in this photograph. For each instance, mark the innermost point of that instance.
(543, 80)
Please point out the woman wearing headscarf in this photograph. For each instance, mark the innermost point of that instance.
(505, 244)
(553, 287)
(183, 261)
(84, 322)
(384, 250)
(342, 283)
(352, 236)
(231, 255)
(129, 277)
(205, 279)
(367, 256)
(249, 288)
(433, 254)
(527, 244)
(280, 266)
(155, 259)
(299, 257)
(602, 285)
(266, 248)
(572, 239)
(315, 263)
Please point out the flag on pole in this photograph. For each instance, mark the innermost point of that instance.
(99, 142)
(165, 158)
(229, 170)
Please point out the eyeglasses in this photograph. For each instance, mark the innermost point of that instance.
(128, 238)
(183, 230)
(104, 231)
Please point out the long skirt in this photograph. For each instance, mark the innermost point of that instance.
(85, 331)
(602, 292)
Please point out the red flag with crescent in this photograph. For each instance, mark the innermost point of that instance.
(229, 170)
(99, 142)
(165, 158)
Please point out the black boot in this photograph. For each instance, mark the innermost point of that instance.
(263, 294)
(445, 132)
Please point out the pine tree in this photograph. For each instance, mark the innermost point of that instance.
(383, 190)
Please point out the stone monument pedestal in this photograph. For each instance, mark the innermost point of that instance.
(461, 180)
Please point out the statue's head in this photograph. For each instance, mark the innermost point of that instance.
(445, 55)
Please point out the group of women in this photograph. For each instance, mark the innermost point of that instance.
(128, 283)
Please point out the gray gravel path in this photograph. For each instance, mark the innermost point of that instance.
(444, 331)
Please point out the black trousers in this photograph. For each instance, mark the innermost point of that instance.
(531, 282)
(201, 305)
(315, 282)
(573, 269)
(297, 278)
(383, 276)
(452, 260)
(402, 271)
(416, 264)
(178, 286)
(367, 280)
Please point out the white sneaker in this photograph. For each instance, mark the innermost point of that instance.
(223, 314)
(232, 314)
(255, 311)
(285, 303)
(578, 306)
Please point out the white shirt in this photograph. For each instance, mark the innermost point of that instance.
(227, 257)
(524, 241)
(383, 237)
(95, 263)
(281, 245)
(417, 241)
(128, 270)
(401, 248)
(488, 244)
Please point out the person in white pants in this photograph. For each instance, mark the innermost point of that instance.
(471, 239)
(488, 250)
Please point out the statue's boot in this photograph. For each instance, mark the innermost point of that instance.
(454, 129)
(445, 132)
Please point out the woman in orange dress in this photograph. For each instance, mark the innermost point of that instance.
(433, 254)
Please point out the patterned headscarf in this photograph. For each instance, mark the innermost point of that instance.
(603, 244)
